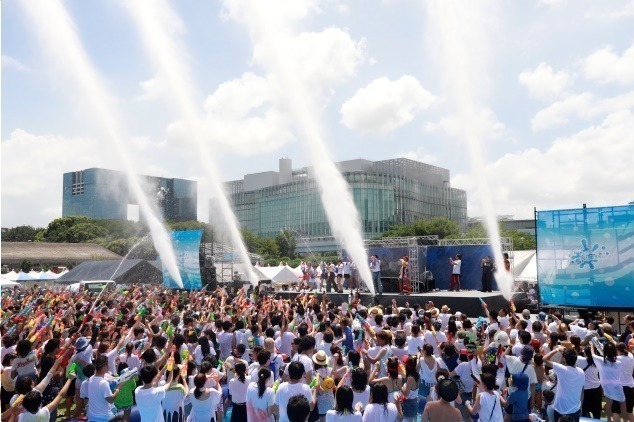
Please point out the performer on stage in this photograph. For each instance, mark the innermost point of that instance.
(488, 266)
(404, 285)
(456, 264)
(375, 267)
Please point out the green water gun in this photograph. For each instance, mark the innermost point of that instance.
(72, 369)
(314, 382)
(276, 385)
(220, 363)
(169, 331)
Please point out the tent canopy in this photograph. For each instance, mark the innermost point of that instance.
(280, 275)
(11, 275)
(22, 276)
(123, 272)
(529, 274)
(8, 283)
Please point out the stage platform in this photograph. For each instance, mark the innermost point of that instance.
(464, 301)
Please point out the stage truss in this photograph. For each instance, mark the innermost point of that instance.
(413, 245)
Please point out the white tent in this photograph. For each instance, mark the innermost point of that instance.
(44, 275)
(11, 275)
(521, 259)
(529, 274)
(280, 275)
(52, 275)
(22, 276)
(7, 283)
(241, 269)
(297, 271)
(34, 274)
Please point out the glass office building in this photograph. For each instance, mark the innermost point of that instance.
(105, 194)
(385, 193)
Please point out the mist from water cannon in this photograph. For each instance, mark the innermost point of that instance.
(266, 28)
(59, 37)
(447, 27)
(160, 30)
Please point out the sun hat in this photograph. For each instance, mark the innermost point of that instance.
(320, 358)
(81, 344)
(444, 308)
(434, 312)
(501, 338)
(375, 310)
(541, 316)
(527, 353)
(526, 314)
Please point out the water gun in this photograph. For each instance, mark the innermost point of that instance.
(38, 335)
(71, 370)
(483, 302)
(185, 355)
(276, 385)
(18, 401)
(169, 331)
(184, 370)
(141, 312)
(127, 374)
(513, 308)
(170, 360)
(314, 382)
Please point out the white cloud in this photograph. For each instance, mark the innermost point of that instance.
(32, 186)
(490, 126)
(626, 11)
(606, 66)
(13, 63)
(385, 105)
(554, 3)
(583, 106)
(420, 154)
(544, 82)
(153, 89)
(592, 166)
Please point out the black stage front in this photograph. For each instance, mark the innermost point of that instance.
(465, 301)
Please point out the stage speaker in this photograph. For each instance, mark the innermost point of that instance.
(426, 242)
(390, 284)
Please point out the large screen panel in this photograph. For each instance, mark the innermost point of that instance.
(585, 257)
(186, 245)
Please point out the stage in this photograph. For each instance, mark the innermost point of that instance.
(464, 301)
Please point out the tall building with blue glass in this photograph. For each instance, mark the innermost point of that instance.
(105, 194)
(385, 192)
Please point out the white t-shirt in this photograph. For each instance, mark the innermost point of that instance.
(627, 368)
(204, 410)
(284, 343)
(305, 360)
(457, 263)
(285, 391)
(463, 370)
(5, 350)
(379, 413)
(41, 415)
(149, 403)
(591, 374)
(257, 406)
(413, 343)
(97, 390)
(224, 340)
(571, 380)
(363, 398)
(334, 416)
(610, 375)
(25, 366)
(444, 320)
(515, 366)
(238, 390)
(436, 340)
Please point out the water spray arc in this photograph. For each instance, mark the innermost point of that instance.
(158, 26)
(268, 29)
(444, 18)
(59, 37)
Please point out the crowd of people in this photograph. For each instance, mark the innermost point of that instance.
(149, 354)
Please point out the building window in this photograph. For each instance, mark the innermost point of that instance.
(77, 187)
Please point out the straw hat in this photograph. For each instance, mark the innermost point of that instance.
(320, 358)
(444, 308)
(501, 338)
(375, 310)
(567, 344)
(434, 312)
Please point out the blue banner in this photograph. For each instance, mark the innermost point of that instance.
(585, 257)
(470, 274)
(186, 246)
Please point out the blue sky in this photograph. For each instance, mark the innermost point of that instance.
(554, 82)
